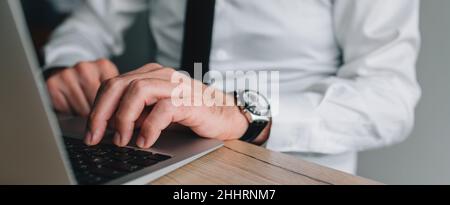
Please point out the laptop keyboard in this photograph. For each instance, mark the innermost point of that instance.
(105, 162)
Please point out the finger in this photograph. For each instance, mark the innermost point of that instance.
(157, 73)
(90, 89)
(89, 78)
(74, 93)
(146, 68)
(108, 98)
(143, 116)
(107, 69)
(140, 94)
(59, 101)
(139, 121)
(106, 103)
(162, 115)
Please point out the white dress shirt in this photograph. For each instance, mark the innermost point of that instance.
(347, 67)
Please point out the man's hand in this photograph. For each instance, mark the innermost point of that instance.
(124, 100)
(73, 89)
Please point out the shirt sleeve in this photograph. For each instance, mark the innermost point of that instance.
(371, 100)
(95, 30)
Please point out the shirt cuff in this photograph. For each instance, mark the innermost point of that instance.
(66, 57)
(294, 124)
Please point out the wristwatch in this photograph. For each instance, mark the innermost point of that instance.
(256, 108)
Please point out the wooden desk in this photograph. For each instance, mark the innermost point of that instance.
(241, 163)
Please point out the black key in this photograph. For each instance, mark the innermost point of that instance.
(144, 162)
(162, 157)
(87, 162)
(81, 167)
(70, 145)
(121, 156)
(98, 166)
(99, 152)
(109, 173)
(91, 150)
(122, 149)
(75, 155)
(120, 166)
(99, 160)
(158, 157)
(91, 179)
(80, 173)
(103, 162)
(75, 145)
(140, 153)
(78, 161)
(149, 155)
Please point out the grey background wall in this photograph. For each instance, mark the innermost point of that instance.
(425, 157)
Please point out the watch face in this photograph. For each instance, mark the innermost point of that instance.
(256, 103)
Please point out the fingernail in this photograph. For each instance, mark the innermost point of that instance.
(117, 139)
(140, 142)
(123, 141)
(94, 136)
(88, 138)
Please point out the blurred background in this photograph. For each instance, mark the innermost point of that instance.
(45, 15)
(423, 159)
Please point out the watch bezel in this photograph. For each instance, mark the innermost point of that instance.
(256, 115)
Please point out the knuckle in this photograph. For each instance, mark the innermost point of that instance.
(168, 71)
(84, 71)
(82, 64)
(103, 62)
(166, 105)
(82, 67)
(67, 74)
(52, 82)
(139, 85)
(153, 65)
(112, 83)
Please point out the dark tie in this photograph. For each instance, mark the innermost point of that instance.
(197, 39)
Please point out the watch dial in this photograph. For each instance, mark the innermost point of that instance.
(256, 103)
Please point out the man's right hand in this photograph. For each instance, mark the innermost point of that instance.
(73, 89)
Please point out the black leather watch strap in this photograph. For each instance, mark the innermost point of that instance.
(254, 130)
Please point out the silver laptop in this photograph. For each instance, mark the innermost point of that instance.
(39, 147)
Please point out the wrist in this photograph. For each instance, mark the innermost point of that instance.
(239, 121)
(264, 136)
(254, 107)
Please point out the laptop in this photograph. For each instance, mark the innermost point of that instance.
(41, 147)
